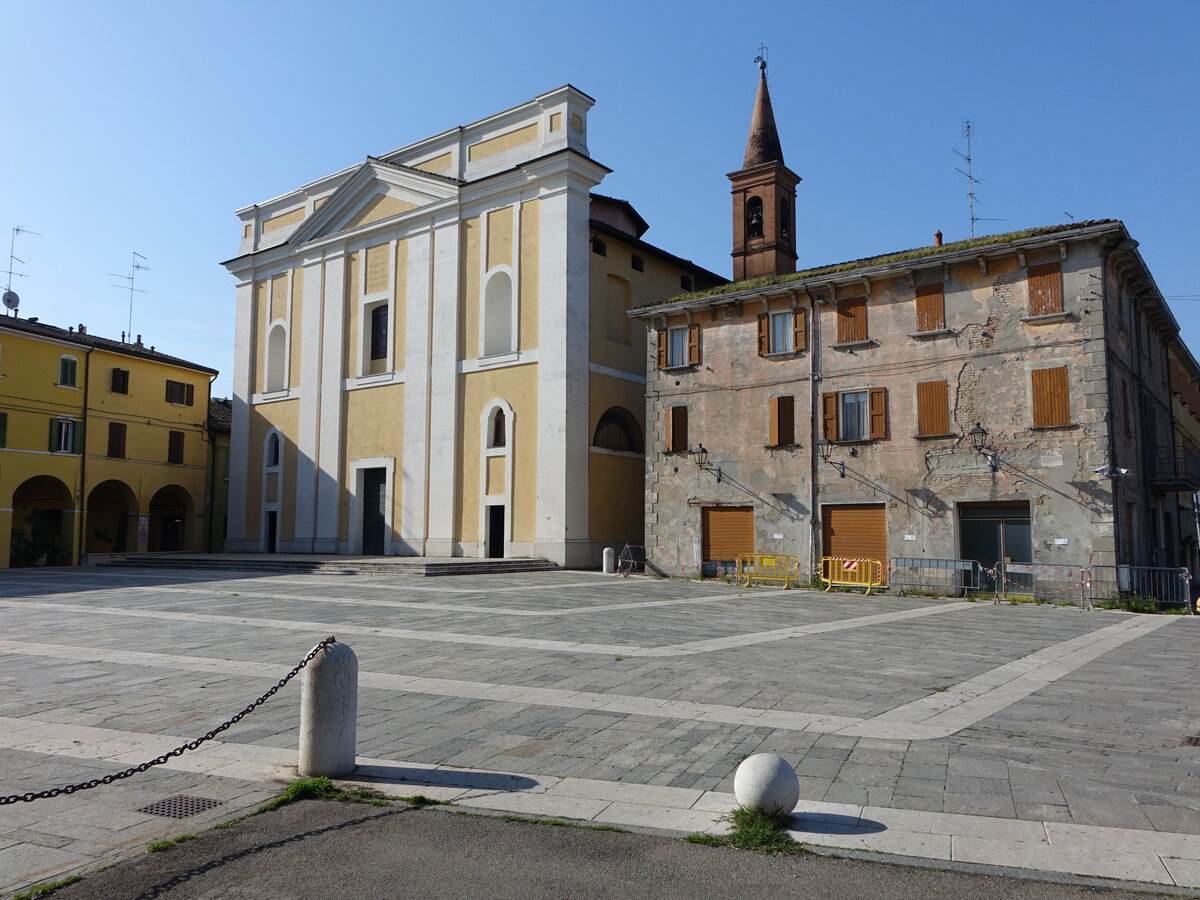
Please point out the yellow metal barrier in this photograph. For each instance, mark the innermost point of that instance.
(772, 567)
(842, 570)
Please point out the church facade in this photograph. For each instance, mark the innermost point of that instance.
(433, 355)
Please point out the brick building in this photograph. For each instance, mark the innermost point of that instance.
(830, 411)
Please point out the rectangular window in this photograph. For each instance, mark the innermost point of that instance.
(178, 392)
(781, 332)
(66, 436)
(3, 429)
(1051, 397)
(67, 368)
(931, 308)
(1045, 289)
(783, 421)
(379, 332)
(855, 415)
(679, 346)
(677, 429)
(116, 440)
(852, 320)
(175, 447)
(933, 408)
(120, 381)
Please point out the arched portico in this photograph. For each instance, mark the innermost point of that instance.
(43, 514)
(170, 509)
(111, 518)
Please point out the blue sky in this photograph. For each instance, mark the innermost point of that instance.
(143, 126)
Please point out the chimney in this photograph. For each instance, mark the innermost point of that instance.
(138, 342)
(937, 238)
(82, 329)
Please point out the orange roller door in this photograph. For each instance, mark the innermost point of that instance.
(856, 530)
(728, 531)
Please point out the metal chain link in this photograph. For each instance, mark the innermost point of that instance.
(190, 745)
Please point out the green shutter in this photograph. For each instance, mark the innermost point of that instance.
(3, 429)
(77, 434)
(53, 434)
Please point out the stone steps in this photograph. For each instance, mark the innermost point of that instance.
(329, 566)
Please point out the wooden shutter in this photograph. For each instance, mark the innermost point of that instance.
(727, 531)
(77, 437)
(53, 435)
(877, 410)
(693, 345)
(933, 408)
(764, 334)
(783, 421)
(190, 395)
(662, 349)
(1045, 289)
(857, 531)
(799, 330)
(1051, 397)
(931, 308)
(677, 429)
(852, 319)
(3, 429)
(829, 416)
(175, 447)
(116, 440)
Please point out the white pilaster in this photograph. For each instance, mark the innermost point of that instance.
(444, 439)
(414, 467)
(243, 389)
(308, 439)
(329, 456)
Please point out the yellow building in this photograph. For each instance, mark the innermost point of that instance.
(103, 446)
(432, 355)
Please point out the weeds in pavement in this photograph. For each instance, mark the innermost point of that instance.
(41, 890)
(751, 830)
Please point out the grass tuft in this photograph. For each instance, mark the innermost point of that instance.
(752, 830)
(41, 890)
(320, 788)
(168, 843)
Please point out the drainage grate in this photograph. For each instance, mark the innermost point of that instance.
(1193, 741)
(180, 807)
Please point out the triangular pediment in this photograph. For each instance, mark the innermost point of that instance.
(375, 191)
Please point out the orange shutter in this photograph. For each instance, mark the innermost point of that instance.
(764, 334)
(1051, 397)
(784, 421)
(1045, 289)
(727, 531)
(677, 429)
(693, 345)
(931, 308)
(662, 349)
(857, 531)
(852, 320)
(799, 331)
(933, 408)
(773, 424)
(829, 416)
(877, 410)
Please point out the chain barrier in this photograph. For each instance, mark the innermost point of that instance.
(191, 745)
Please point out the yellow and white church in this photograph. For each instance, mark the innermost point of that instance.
(433, 356)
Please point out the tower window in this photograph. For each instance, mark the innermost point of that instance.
(637, 263)
(685, 282)
(754, 217)
(379, 332)
(785, 225)
(599, 248)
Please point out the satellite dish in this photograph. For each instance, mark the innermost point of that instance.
(11, 300)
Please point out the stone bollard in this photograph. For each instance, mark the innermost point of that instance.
(610, 561)
(328, 713)
(767, 783)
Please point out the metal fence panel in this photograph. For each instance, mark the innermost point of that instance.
(850, 572)
(1162, 586)
(1042, 581)
(945, 577)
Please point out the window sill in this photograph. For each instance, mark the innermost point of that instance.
(855, 442)
(855, 345)
(1048, 319)
(936, 333)
(69, 387)
(677, 369)
(782, 447)
(498, 359)
(782, 354)
(934, 437)
(1070, 426)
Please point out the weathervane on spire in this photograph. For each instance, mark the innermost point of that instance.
(761, 59)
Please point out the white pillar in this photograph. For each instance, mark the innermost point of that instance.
(610, 561)
(328, 713)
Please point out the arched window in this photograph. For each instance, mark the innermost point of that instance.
(754, 217)
(276, 358)
(497, 315)
(272, 454)
(497, 433)
(785, 223)
(618, 430)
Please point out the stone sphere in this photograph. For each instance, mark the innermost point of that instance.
(766, 783)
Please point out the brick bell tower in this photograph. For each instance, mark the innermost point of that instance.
(764, 198)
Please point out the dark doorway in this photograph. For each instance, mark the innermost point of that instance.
(996, 532)
(495, 531)
(374, 518)
(272, 531)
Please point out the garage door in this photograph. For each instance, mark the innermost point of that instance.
(855, 530)
(728, 531)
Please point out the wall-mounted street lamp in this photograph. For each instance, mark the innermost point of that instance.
(825, 448)
(979, 441)
(702, 463)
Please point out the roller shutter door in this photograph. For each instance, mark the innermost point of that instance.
(728, 531)
(855, 530)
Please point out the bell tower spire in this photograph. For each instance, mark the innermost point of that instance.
(764, 196)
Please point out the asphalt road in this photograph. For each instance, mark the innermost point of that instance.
(331, 849)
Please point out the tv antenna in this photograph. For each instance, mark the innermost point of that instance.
(134, 268)
(10, 297)
(971, 179)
